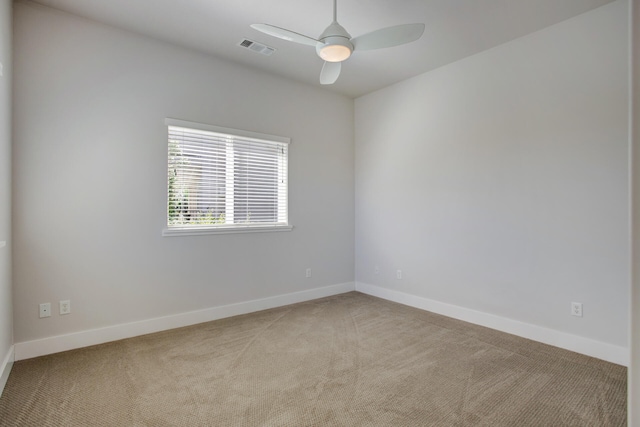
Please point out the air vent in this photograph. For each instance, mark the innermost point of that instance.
(257, 47)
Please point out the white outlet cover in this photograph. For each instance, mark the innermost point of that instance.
(45, 310)
(65, 307)
(576, 309)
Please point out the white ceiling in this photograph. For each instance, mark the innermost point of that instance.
(454, 29)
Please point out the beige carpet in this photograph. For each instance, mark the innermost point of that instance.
(348, 360)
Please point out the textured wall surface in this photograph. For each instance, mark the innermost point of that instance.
(6, 312)
(634, 368)
(91, 181)
(499, 183)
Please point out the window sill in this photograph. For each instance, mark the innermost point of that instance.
(195, 231)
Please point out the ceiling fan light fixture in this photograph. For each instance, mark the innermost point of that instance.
(335, 44)
(335, 49)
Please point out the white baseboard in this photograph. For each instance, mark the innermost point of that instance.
(609, 352)
(5, 368)
(50, 345)
(56, 344)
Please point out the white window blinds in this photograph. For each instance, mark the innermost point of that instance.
(225, 178)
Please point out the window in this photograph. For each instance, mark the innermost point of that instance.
(225, 180)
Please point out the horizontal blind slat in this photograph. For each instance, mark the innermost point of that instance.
(220, 179)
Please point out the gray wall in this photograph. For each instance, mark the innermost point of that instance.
(499, 183)
(90, 178)
(634, 368)
(6, 312)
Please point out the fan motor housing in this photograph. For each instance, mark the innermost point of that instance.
(334, 48)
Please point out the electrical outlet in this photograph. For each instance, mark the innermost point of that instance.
(65, 307)
(576, 309)
(376, 270)
(45, 310)
(308, 273)
(399, 274)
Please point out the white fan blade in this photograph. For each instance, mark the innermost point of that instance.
(388, 37)
(283, 34)
(330, 72)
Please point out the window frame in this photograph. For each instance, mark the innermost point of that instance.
(231, 228)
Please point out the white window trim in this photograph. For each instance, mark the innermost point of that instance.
(230, 229)
(219, 129)
(196, 231)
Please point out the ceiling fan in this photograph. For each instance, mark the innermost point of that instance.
(335, 44)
